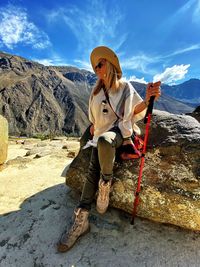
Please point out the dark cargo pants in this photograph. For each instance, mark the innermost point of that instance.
(101, 163)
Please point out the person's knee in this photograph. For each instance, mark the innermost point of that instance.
(104, 141)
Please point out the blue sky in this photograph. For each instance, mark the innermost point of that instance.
(153, 39)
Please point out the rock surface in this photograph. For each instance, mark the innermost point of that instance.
(171, 177)
(196, 113)
(40, 100)
(36, 207)
(3, 139)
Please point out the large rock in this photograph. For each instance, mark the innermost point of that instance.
(196, 113)
(170, 190)
(3, 139)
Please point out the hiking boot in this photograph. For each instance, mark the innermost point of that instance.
(80, 227)
(103, 196)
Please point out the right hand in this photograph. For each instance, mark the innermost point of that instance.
(153, 89)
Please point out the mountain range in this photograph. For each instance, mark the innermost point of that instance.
(38, 99)
(187, 92)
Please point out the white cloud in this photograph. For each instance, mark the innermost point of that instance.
(57, 61)
(54, 61)
(185, 8)
(192, 6)
(94, 25)
(135, 79)
(183, 50)
(146, 63)
(44, 61)
(83, 64)
(196, 14)
(173, 74)
(15, 28)
(140, 62)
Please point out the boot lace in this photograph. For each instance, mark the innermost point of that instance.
(77, 222)
(104, 190)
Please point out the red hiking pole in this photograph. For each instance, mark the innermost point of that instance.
(147, 121)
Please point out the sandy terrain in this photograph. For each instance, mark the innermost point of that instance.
(28, 175)
(36, 207)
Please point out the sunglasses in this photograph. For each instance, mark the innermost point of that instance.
(99, 65)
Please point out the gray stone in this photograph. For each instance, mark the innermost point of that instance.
(28, 237)
(171, 177)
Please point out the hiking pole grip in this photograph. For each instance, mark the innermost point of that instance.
(149, 108)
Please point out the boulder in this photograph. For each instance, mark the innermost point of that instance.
(196, 113)
(3, 139)
(170, 189)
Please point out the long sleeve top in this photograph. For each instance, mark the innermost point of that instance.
(123, 102)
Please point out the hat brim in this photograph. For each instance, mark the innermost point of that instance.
(105, 52)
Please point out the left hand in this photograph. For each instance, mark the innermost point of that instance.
(153, 89)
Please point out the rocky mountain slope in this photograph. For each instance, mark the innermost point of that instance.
(187, 91)
(37, 99)
(166, 102)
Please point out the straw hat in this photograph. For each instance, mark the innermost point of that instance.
(105, 52)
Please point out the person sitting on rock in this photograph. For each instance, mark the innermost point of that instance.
(114, 108)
